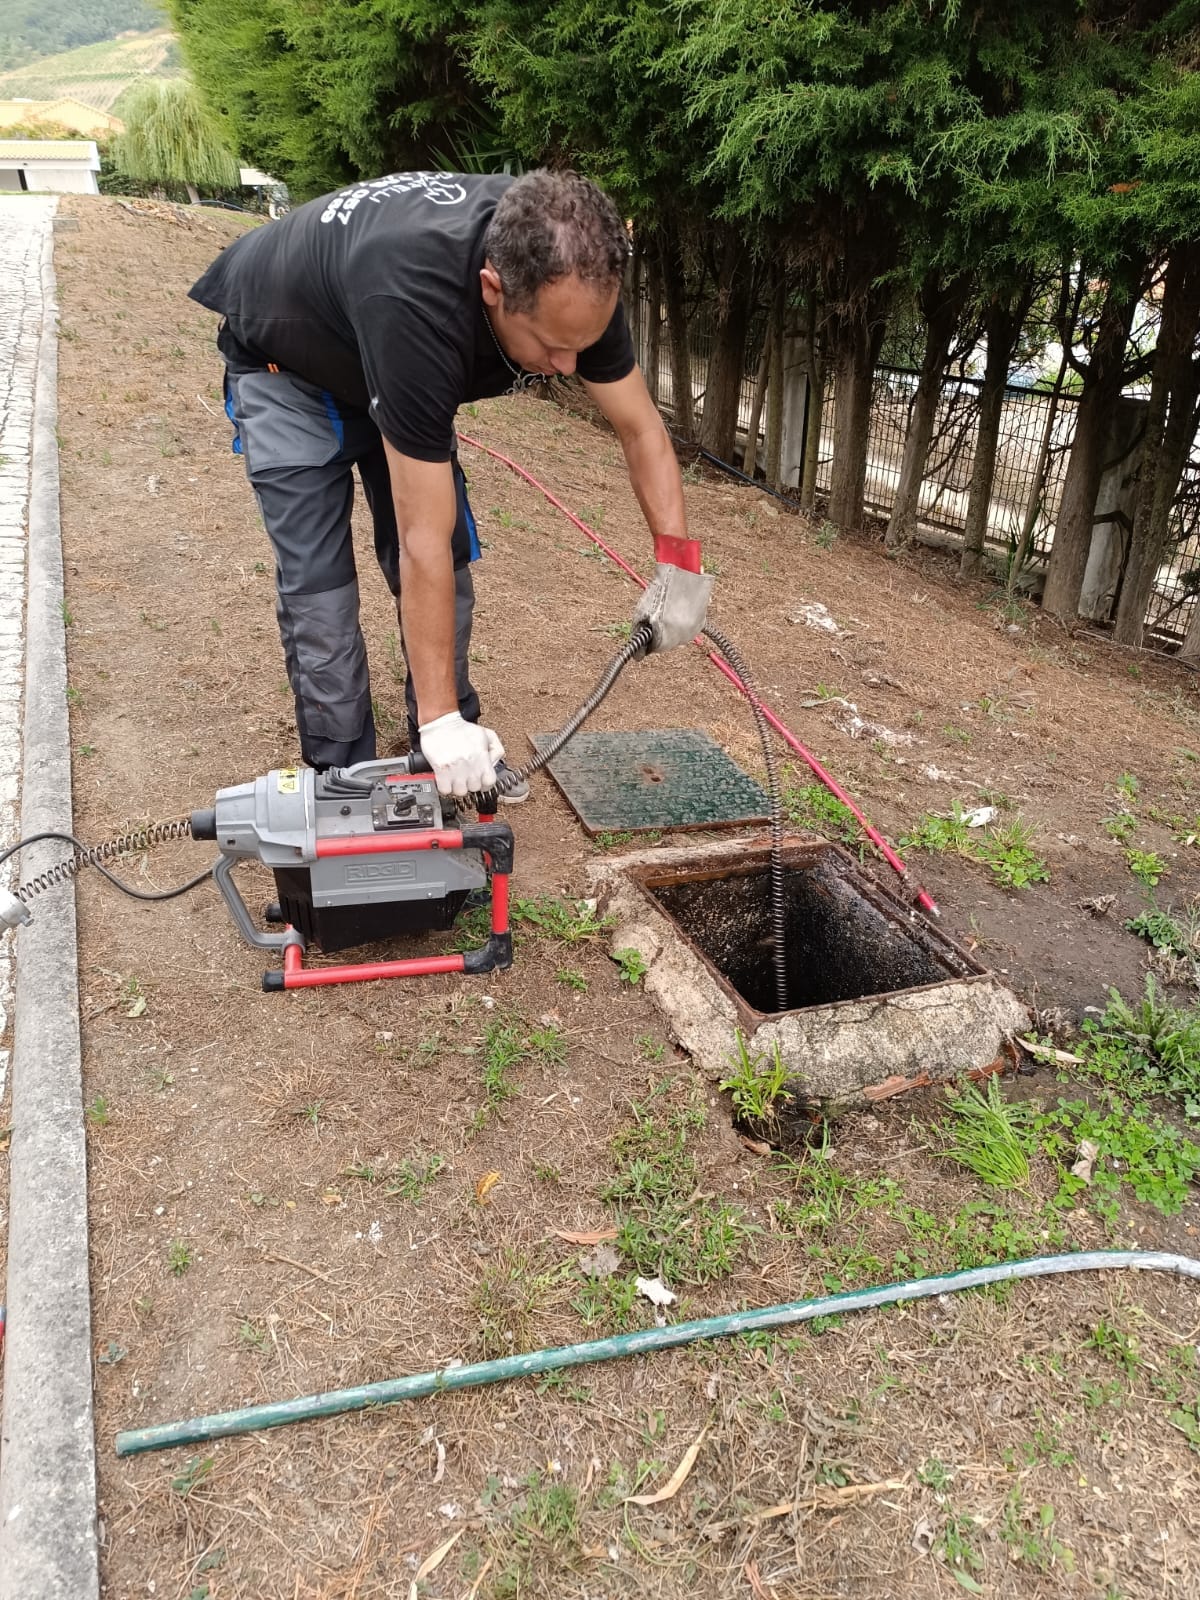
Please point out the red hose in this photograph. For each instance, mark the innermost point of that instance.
(923, 897)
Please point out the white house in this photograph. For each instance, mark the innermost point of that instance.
(66, 166)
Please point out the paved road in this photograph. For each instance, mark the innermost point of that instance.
(25, 221)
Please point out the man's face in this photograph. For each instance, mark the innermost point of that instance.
(568, 316)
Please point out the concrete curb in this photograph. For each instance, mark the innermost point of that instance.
(48, 1543)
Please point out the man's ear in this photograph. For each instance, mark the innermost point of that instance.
(489, 286)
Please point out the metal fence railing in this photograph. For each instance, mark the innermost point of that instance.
(951, 460)
(945, 488)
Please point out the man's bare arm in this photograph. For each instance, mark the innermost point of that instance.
(653, 469)
(423, 495)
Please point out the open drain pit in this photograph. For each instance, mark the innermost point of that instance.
(880, 1000)
(842, 943)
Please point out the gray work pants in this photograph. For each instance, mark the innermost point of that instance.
(301, 449)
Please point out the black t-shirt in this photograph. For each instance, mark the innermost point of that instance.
(373, 293)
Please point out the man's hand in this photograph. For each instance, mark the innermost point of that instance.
(675, 605)
(463, 755)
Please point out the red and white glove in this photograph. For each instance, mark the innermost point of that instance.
(463, 754)
(676, 603)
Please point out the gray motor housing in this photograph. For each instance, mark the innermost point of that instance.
(341, 901)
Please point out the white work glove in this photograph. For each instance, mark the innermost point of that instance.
(674, 605)
(463, 755)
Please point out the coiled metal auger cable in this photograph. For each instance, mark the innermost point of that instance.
(97, 854)
(636, 646)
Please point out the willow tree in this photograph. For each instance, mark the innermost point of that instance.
(321, 94)
(170, 137)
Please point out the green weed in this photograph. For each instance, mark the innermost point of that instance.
(632, 965)
(938, 833)
(179, 1257)
(1165, 932)
(194, 1474)
(1121, 826)
(1030, 1537)
(571, 921)
(1115, 1346)
(98, 1113)
(410, 1179)
(548, 1043)
(1141, 1150)
(509, 1298)
(756, 1084)
(991, 1136)
(503, 1048)
(1008, 854)
(572, 978)
(611, 1305)
(1147, 866)
(812, 806)
(1148, 1048)
(662, 1226)
(957, 1546)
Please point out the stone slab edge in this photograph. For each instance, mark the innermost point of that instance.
(48, 1545)
(705, 1022)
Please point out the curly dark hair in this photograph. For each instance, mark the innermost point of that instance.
(552, 225)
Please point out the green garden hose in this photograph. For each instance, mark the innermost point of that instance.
(275, 1414)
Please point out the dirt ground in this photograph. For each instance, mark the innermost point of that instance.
(290, 1193)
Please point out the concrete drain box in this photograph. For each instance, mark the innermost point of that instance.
(880, 999)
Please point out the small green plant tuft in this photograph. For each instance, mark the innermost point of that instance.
(1121, 826)
(632, 964)
(812, 806)
(1009, 855)
(757, 1083)
(571, 921)
(1147, 866)
(990, 1135)
(179, 1257)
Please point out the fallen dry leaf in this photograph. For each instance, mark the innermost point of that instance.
(432, 1562)
(601, 1262)
(754, 1577)
(759, 1146)
(923, 1537)
(854, 1491)
(1042, 1051)
(677, 1479)
(895, 1085)
(485, 1186)
(1084, 1165)
(594, 1236)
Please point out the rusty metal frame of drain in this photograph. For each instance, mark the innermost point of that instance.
(936, 1015)
(939, 949)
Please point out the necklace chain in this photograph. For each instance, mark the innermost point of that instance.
(521, 379)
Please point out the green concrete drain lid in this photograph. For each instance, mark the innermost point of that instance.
(666, 778)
